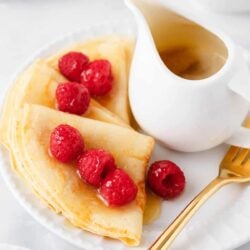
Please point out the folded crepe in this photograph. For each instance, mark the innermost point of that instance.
(58, 185)
(37, 85)
(29, 117)
(119, 52)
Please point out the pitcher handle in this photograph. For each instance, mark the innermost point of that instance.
(241, 138)
(240, 82)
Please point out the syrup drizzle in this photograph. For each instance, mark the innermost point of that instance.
(152, 209)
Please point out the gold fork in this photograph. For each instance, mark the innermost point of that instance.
(234, 168)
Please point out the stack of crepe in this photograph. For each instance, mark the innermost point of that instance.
(29, 117)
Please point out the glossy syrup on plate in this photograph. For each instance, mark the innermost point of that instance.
(152, 209)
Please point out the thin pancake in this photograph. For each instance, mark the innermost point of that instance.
(119, 52)
(76, 200)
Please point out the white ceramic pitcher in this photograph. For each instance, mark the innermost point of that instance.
(182, 113)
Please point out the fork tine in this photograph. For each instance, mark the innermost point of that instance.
(241, 156)
(231, 153)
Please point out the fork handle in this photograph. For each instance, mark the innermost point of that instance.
(166, 238)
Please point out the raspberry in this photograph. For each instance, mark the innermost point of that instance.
(71, 65)
(72, 97)
(66, 143)
(166, 179)
(97, 77)
(94, 165)
(118, 188)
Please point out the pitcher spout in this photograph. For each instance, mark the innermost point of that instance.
(140, 9)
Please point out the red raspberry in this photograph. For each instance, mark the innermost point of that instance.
(94, 165)
(72, 97)
(118, 188)
(166, 179)
(71, 65)
(66, 143)
(97, 77)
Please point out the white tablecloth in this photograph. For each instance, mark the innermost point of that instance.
(25, 26)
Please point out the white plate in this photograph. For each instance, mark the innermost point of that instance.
(223, 223)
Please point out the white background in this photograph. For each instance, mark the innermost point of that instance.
(25, 26)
